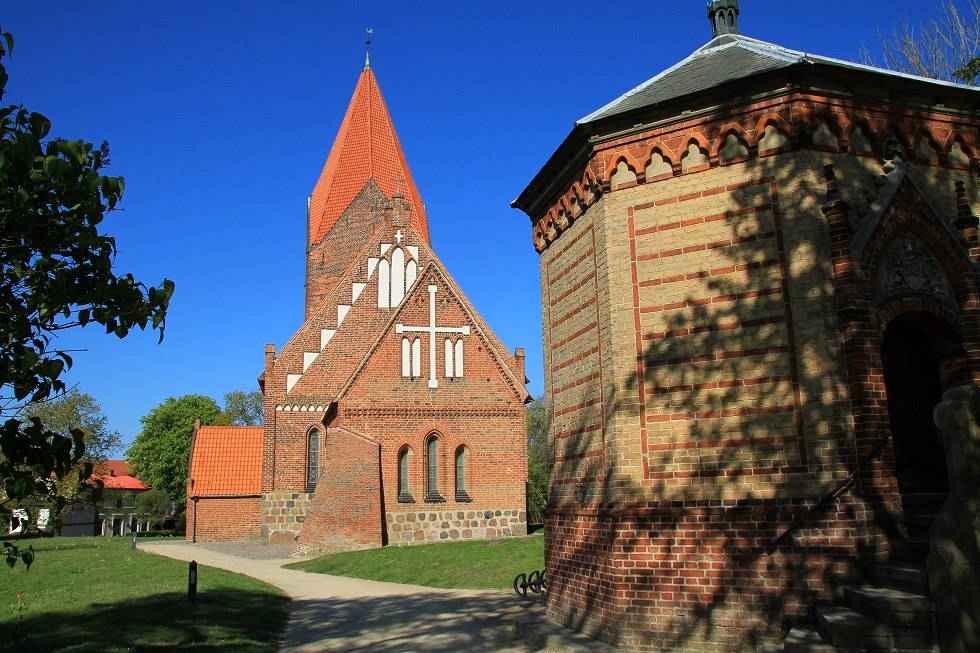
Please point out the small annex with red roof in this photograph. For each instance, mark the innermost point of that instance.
(224, 482)
(394, 415)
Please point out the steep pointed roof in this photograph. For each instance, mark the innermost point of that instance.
(366, 148)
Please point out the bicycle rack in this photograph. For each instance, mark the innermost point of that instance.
(534, 581)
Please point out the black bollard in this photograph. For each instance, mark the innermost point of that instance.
(192, 583)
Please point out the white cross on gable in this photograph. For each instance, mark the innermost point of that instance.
(432, 330)
(399, 236)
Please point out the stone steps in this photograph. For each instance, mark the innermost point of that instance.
(893, 614)
(905, 576)
(912, 550)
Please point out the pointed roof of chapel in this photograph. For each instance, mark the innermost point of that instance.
(729, 63)
(366, 148)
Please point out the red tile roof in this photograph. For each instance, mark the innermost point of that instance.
(116, 475)
(226, 460)
(366, 148)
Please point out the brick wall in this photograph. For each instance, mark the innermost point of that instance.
(222, 520)
(329, 259)
(694, 575)
(345, 510)
(712, 364)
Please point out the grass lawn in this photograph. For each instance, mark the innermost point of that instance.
(98, 595)
(478, 564)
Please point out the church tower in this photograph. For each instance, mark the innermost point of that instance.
(366, 175)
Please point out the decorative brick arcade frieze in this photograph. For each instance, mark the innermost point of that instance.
(429, 413)
(763, 129)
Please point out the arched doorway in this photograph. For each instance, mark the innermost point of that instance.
(913, 351)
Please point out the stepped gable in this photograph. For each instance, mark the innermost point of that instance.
(344, 325)
(366, 148)
(324, 355)
(418, 295)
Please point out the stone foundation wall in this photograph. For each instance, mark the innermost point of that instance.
(283, 514)
(441, 526)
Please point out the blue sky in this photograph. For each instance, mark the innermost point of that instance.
(220, 116)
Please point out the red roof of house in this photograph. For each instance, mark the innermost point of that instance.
(226, 460)
(366, 148)
(116, 475)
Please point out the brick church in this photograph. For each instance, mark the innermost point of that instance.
(763, 265)
(394, 415)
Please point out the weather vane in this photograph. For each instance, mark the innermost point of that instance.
(367, 42)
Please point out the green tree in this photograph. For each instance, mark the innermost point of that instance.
(75, 411)
(946, 48)
(159, 454)
(79, 410)
(152, 505)
(243, 408)
(538, 461)
(56, 273)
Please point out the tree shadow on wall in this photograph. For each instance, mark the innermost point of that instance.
(741, 386)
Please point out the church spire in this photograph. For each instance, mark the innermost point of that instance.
(723, 15)
(366, 148)
(367, 43)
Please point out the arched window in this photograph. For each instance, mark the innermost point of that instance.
(450, 367)
(432, 470)
(397, 276)
(404, 490)
(454, 359)
(461, 493)
(384, 284)
(406, 357)
(312, 459)
(411, 358)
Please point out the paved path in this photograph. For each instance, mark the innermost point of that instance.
(333, 613)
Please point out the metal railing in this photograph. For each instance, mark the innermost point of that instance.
(832, 496)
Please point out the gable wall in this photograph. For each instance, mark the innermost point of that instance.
(328, 260)
(721, 405)
(481, 411)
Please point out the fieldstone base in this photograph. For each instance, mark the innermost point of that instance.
(283, 514)
(440, 526)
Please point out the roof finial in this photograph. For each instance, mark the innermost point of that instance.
(367, 42)
(723, 15)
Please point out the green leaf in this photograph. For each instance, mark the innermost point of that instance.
(28, 557)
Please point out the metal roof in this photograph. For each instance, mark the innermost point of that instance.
(724, 59)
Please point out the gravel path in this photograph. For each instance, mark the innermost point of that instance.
(333, 613)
